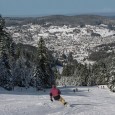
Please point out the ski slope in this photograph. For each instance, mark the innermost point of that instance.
(29, 102)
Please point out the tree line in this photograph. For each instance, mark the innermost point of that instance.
(21, 68)
(25, 66)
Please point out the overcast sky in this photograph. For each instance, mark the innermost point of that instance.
(50, 7)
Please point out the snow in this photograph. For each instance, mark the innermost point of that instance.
(64, 38)
(60, 69)
(96, 101)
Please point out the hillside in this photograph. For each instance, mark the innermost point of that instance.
(86, 49)
(62, 37)
(59, 20)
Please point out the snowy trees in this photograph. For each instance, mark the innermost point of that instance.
(66, 70)
(5, 71)
(17, 64)
(5, 48)
(68, 65)
(111, 73)
(14, 68)
(17, 67)
(86, 75)
(43, 73)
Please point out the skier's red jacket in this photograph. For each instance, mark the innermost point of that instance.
(55, 92)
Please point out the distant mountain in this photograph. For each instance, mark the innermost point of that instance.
(94, 13)
(61, 20)
(109, 14)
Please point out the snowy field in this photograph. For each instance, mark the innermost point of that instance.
(29, 102)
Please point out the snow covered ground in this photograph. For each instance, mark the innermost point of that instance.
(29, 102)
(65, 39)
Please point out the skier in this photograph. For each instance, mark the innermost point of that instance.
(55, 93)
(88, 90)
(74, 90)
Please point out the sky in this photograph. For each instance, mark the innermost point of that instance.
(54, 7)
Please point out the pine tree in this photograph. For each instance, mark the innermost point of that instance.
(5, 70)
(39, 77)
(70, 57)
(44, 75)
(66, 70)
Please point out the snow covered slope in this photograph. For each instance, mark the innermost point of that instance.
(29, 102)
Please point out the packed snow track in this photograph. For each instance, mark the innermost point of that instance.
(96, 101)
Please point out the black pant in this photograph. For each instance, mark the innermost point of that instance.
(57, 97)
